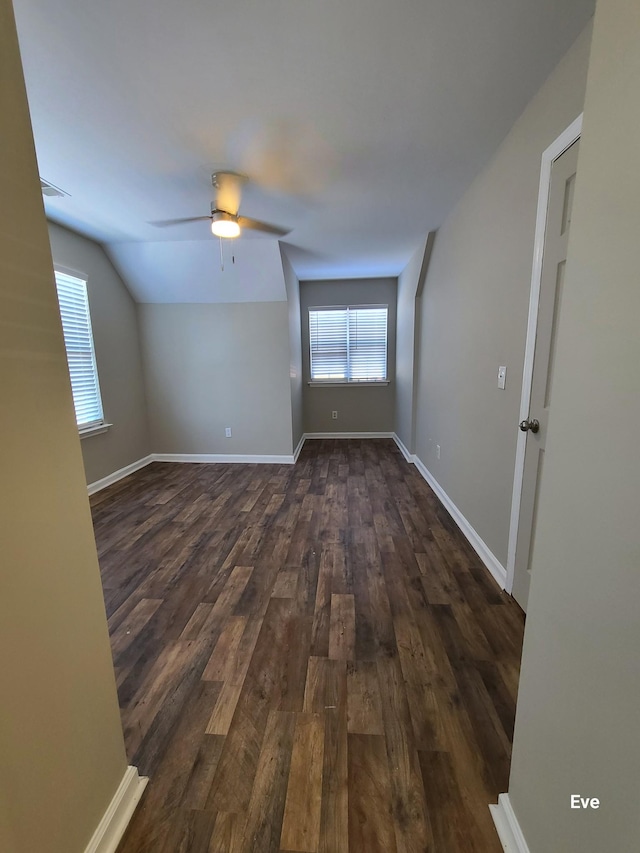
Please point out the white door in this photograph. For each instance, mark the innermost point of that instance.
(561, 189)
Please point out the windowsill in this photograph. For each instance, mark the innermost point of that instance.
(329, 384)
(95, 430)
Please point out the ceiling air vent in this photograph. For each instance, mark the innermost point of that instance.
(50, 190)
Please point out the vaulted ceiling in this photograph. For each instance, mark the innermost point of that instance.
(360, 123)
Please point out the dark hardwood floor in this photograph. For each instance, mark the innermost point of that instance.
(309, 658)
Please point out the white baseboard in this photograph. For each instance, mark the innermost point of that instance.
(226, 458)
(120, 811)
(479, 546)
(507, 826)
(403, 449)
(348, 435)
(92, 488)
(296, 452)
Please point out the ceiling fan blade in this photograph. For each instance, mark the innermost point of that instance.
(256, 225)
(164, 223)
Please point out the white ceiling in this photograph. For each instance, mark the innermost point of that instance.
(361, 122)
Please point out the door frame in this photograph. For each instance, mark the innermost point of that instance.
(557, 147)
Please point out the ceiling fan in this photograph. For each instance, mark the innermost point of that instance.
(224, 217)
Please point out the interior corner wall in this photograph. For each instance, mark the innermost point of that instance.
(576, 726)
(295, 348)
(61, 745)
(365, 408)
(116, 337)
(212, 366)
(408, 281)
(474, 312)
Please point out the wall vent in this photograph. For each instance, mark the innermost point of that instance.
(51, 190)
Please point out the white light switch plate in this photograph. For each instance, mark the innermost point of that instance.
(502, 377)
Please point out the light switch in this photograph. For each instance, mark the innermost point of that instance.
(502, 377)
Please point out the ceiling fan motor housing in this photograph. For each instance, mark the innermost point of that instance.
(221, 215)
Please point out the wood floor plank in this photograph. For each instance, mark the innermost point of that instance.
(334, 818)
(326, 684)
(232, 783)
(486, 725)
(421, 684)
(231, 593)
(310, 658)
(411, 821)
(364, 706)
(195, 624)
(203, 770)
(235, 670)
(263, 825)
(261, 692)
(301, 822)
(168, 788)
(286, 583)
(222, 662)
(454, 828)
(152, 745)
(322, 604)
(170, 667)
(473, 635)
(134, 623)
(342, 628)
(371, 823)
(190, 832)
(227, 833)
(257, 593)
(438, 588)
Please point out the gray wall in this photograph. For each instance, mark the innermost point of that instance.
(474, 313)
(115, 332)
(61, 746)
(295, 348)
(208, 367)
(578, 706)
(409, 282)
(366, 408)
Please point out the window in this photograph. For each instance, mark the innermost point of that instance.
(78, 340)
(348, 344)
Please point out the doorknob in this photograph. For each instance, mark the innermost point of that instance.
(530, 424)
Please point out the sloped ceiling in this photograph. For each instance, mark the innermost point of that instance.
(360, 123)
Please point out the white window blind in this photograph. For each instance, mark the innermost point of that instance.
(78, 340)
(348, 344)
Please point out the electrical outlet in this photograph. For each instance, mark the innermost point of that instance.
(334, 415)
(227, 432)
(437, 451)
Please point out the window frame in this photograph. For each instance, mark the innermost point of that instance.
(347, 381)
(74, 278)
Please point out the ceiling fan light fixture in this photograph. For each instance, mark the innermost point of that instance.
(224, 225)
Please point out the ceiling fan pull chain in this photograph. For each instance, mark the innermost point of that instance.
(221, 256)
